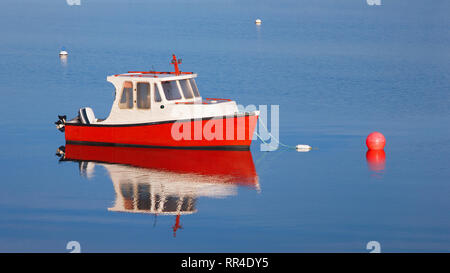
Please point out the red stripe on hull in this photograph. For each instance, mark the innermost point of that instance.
(217, 132)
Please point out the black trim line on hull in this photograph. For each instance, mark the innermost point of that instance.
(224, 148)
(160, 122)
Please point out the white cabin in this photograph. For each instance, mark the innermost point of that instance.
(142, 97)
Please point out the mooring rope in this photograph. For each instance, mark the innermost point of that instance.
(299, 147)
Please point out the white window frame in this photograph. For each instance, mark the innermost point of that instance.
(192, 88)
(150, 94)
(181, 89)
(121, 94)
(161, 93)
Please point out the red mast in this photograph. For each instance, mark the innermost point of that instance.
(175, 62)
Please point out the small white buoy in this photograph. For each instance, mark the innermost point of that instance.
(303, 148)
(258, 21)
(63, 52)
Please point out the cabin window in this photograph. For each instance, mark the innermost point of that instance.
(157, 94)
(171, 91)
(143, 95)
(126, 99)
(186, 88)
(194, 87)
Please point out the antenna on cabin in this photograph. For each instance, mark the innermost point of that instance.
(175, 63)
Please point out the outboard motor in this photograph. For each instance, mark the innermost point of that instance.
(61, 123)
(86, 115)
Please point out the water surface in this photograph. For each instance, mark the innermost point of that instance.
(338, 71)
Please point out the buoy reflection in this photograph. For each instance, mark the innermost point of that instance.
(63, 59)
(376, 160)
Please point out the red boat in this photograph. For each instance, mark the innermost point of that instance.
(165, 110)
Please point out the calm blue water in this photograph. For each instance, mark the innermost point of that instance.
(337, 70)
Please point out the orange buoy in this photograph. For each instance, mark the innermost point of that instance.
(375, 141)
(376, 159)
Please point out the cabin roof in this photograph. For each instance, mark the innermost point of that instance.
(156, 75)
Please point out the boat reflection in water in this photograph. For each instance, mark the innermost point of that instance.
(165, 181)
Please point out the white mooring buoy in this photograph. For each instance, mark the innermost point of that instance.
(258, 21)
(63, 52)
(303, 148)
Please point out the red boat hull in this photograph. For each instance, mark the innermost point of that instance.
(233, 132)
